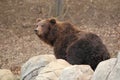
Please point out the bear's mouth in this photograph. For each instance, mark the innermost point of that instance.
(36, 31)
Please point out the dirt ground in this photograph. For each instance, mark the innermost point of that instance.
(17, 18)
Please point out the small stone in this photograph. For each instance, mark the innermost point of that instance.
(6, 75)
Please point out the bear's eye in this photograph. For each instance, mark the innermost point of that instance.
(42, 25)
(36, 25)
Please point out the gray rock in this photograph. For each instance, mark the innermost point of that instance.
(6, 75)
(53, 70)
(30, 69)
(108, 70)
(77, 72)
(115, 73)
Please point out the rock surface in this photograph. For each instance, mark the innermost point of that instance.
(47, 67)
(30, 69)
(77, 72)
(6, 75)
(53, 70)
(108, 70)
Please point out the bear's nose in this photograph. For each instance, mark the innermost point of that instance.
(36, 31)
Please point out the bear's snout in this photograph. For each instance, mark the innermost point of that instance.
(36, 31)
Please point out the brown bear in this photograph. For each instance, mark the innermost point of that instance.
(71, 44)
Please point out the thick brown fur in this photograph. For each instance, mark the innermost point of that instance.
(71, 44)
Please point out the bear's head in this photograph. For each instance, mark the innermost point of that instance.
(47, 30)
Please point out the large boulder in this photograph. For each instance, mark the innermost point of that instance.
(53, 70)
(6, 75)
(77, 72)
(108, 70)
(30, 69)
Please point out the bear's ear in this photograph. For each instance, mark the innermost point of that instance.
(38, 19)
(53, 21)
